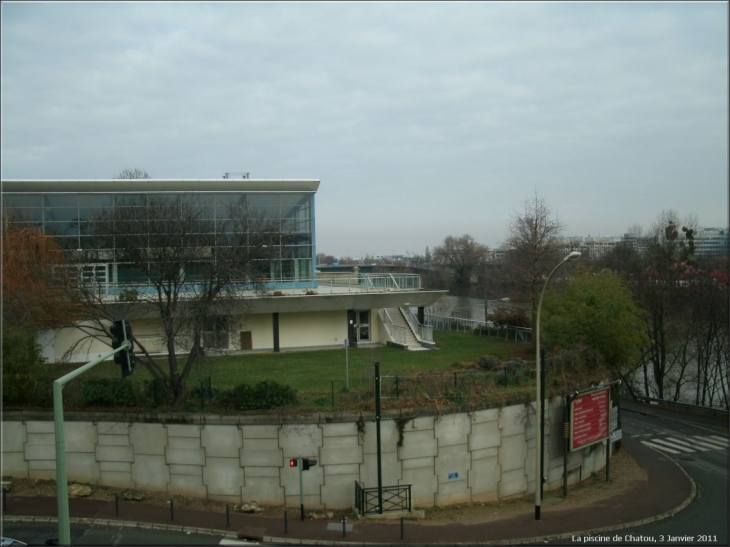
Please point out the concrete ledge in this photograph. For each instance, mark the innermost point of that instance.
(415, 514)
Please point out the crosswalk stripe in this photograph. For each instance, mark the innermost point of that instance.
(723, 440)
(662, 448)
(696, 445)
(672, 445)
(710, 442)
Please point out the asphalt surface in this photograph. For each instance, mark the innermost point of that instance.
(667, 491)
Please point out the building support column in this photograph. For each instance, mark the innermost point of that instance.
(276, 331)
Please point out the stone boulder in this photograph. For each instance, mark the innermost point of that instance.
(79, 491)
(131, 495)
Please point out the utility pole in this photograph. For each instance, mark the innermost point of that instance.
(377, 437)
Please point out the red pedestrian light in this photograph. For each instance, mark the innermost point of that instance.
(293, 462)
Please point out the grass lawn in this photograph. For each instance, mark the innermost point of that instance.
(312, 373)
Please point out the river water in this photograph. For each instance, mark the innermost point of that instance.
(470, 308)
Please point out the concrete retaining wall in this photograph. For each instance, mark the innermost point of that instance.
(454, 458)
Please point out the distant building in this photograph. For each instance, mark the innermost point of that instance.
(712, 242)
(590, 247)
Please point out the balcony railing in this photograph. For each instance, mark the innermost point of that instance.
(325, 283)
(371, 282)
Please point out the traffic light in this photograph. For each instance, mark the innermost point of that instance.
(121, 330)
(306, 463)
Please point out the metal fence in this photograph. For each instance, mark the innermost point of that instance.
(395, 498)
(479, 328)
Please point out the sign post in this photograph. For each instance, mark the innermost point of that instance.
(347, 365)
(589, 418)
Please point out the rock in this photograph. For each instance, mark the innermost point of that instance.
(131, 495)
(79, 491)
(330, 514)
(251, 507)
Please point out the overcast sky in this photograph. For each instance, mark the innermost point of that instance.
(422, 120)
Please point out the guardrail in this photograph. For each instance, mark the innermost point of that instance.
(425, 332)
(686, 406)
(396, 331)
(479, 328)
(131, 291)
(372, 282)
(395, 498)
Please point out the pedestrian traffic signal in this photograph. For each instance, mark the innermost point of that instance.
(306, 463)
(121, 331)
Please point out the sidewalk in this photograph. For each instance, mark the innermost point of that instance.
(667, 491)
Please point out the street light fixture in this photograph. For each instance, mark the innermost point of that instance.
(538, 401)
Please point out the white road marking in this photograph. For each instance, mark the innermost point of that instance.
(661, 448)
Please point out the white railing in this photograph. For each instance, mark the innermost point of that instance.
(371, 282)
(424, 332)
(514, 334)
(397, 332)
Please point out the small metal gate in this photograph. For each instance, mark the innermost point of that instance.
(395, 498)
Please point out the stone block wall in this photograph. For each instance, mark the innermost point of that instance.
(479, 456)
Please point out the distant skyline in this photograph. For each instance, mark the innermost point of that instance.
(422, 120)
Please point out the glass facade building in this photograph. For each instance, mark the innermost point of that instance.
(69, 211)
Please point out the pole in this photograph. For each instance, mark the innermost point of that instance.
(64, 529)
(542, 421)
(566, 440)
(347, 364)
(538, 388)
(538, 408)
(301, 488)
(377, 436)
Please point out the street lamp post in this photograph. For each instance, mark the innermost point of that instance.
(538, 400)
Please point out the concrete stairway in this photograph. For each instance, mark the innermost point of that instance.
(400, 321)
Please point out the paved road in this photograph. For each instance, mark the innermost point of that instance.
(700, 446)
(37, 533)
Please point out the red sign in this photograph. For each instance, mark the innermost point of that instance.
(589, 418)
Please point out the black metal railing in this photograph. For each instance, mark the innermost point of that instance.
(395, 498)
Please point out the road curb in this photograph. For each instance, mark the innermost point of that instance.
(296, 541)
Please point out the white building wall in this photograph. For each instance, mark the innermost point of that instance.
(312, 329)
(296, 330)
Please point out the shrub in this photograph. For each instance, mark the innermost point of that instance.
(488, 362)
(128, 295)
(22, 367)
(264, 395)
(106, 392)
(504, 318)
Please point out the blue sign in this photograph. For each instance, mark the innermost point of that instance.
(453, 475)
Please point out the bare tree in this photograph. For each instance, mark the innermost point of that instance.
(463, 257)
(192, 275)
(135, 173)
(534, 251)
